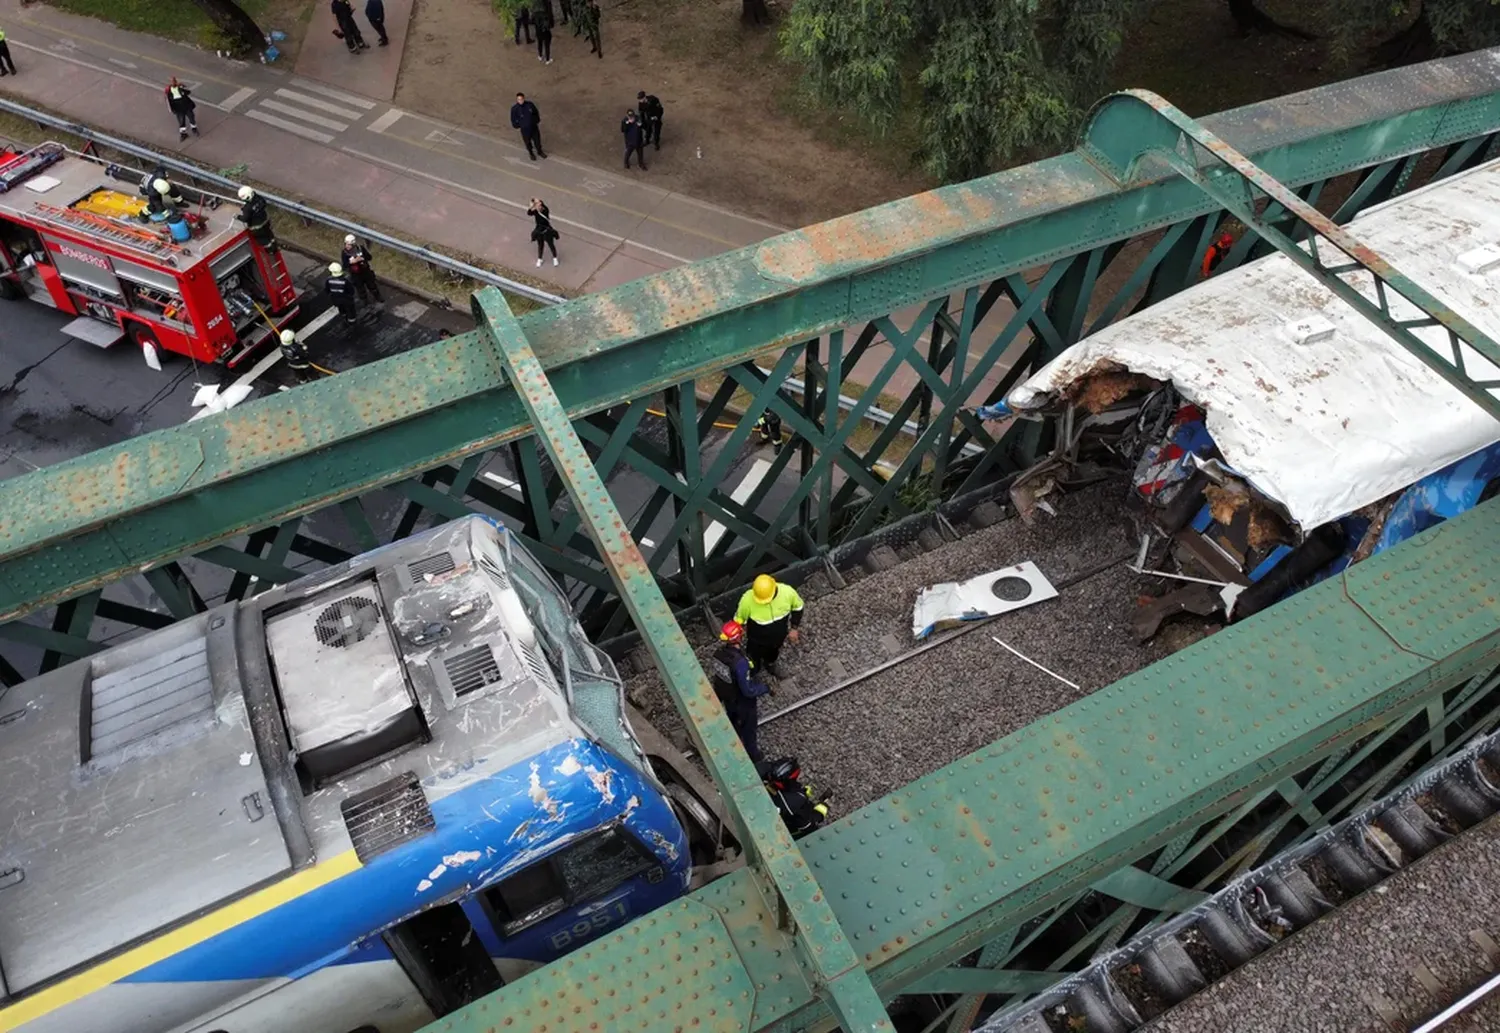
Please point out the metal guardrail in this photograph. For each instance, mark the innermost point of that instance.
(202, 175)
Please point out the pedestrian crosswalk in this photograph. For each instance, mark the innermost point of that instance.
(310, 110)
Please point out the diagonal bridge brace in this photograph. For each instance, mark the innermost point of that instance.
(1129, 127)
(782, 873)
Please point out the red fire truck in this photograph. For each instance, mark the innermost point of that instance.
(69, 239)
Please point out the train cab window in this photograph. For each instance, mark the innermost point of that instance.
(581, 872)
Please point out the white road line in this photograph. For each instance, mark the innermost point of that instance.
(237, 98)
(318, 322)
(92, 67)
(514, 204)
(648, 543)
(291, 127)
(321, 105)
(338, 95)
(741, 493)
(385, 121)
(306, 116)
(122, 64)
(271, 358)
(504, 482)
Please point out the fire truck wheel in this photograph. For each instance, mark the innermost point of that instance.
(10, 289)
(141, 336)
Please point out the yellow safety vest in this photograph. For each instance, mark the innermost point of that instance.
(2, 36)
(785, 602)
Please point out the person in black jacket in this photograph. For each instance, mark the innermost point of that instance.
(342, 292)
(635, 138)
(375, 12)
(257, 219)
(525, 116)
(651, 115)
(544, 233)
(738, 690)
(181, 103)
(523, 23)
(356, 262)
(344, 15)
(542, 19)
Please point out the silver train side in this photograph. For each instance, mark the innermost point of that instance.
(353, 802)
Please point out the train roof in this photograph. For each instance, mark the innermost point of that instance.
(1310, 401)
(157, 780)
(73, 178)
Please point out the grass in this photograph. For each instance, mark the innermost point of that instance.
(184, 21)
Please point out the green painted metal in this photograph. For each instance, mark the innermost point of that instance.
(783, 873)
(1128, 128)
(84, 523)
(934, 871)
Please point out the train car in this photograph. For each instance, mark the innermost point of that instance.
(351, 803)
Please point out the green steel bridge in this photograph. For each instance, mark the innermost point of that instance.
(1131, 803)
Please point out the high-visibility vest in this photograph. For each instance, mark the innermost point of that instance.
(781, 605)
(2, 35)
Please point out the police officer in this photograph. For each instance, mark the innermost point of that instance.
(295, 354)
(356, 261)
(735, 685)
(771, 613)
(651, 115)
(257, 219)
(342, 292)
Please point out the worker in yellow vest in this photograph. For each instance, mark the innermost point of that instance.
(7, 66)
(771, 613)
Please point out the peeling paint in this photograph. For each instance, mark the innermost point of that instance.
(569, 766)
(601, 781)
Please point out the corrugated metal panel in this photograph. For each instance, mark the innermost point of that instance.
(387, 815)
(156, 693)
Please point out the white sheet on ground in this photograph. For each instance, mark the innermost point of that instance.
(953, 602)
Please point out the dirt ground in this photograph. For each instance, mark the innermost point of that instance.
(765, 150)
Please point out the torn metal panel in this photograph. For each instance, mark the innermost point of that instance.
(1286, 415)
(986, 595)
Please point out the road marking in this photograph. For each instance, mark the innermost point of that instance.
(648, 543)
(317, 323)
(122, 64)
(237, 98)
(339, 95)
(270, 359)
(321, 105)
(306, 116)
(385, 121)
(405, 170)
(741, 493)
(51, 52)
(504, 482)
(411, 311)
(291, 127)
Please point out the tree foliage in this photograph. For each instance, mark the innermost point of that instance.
(1404, 31)
(236, 26)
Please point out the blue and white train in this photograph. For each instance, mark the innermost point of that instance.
(351, 803)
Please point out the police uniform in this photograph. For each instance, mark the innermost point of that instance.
(729, 671)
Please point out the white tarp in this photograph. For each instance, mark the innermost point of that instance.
(1334, 424)
(953, 602)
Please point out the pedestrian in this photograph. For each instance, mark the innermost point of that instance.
(734, 682)
(295, 354)
(771, 613)
(180, 101)
(348, 27)
(5, 58)
(542, 19)
(544, 233)
(635, 138)
(586, 17)
(1216, 253)
(523, 23)
(342, 292)
(651, 115)
(257, 219)
(525, 116)
(356, 262)
(565, 9)
(375, 14)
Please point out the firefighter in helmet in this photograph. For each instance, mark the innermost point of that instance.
(295, 354)
(341, 290)
(256, 218)
(771, 614)
(734, 683)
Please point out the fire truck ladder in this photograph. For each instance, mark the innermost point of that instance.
(129, 236)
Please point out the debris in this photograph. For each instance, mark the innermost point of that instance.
(1022, 656)
(1103, 389)
(998, 591)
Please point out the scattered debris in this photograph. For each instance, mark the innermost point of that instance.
(1022, 656)
(951, 603)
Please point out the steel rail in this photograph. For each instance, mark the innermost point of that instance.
(1458, 1007)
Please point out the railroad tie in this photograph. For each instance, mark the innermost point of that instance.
(1487, 945)
(1387, 1011)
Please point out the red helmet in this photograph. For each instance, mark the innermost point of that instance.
(732, 632)
(1226, 240)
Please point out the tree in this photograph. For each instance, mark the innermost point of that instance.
(1406, 31)
(981, 78)
(231, 20)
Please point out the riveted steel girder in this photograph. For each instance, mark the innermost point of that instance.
(84, 523)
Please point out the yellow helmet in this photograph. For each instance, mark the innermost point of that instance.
(764, 588)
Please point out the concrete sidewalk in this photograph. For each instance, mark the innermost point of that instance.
(371, 73)
(458, 190)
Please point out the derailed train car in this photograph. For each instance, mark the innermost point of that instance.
(354, 802)
(1272, 435)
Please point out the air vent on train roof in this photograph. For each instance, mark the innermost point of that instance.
(471, 670)
(347, 621)
(430, 566)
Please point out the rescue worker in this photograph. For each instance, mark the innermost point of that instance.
(801, 812)
(257, 219)
(769, 426)
(162, 200)
(342, 292)
(651, 115)
(5, 59)
(635, 139)
(295, 354)
(771, 613)
(356, 260)
(527, 117)
(734, 683)
(1216, 253)
(181, 103)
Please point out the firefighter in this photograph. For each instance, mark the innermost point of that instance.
(295, 354)
(356, 259)
(771, 613)
(801, 811)
(1216, 253)
(735, 685)
(769, 428)
(180, 102)
(256, 219)
(342, 292)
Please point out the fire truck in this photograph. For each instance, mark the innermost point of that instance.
(186, 277)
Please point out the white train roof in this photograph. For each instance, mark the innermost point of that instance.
(1330, 425)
